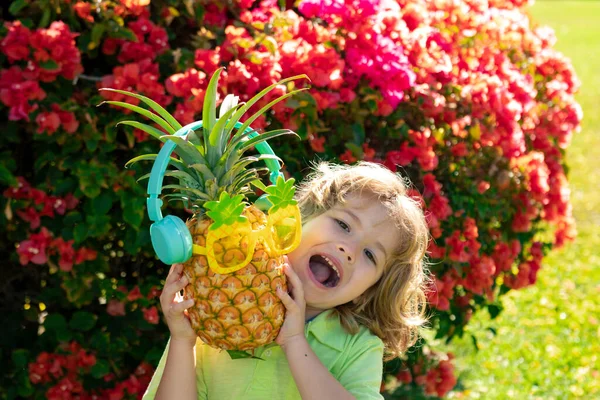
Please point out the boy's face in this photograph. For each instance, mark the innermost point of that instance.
(356, 239)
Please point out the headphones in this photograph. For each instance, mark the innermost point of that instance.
(171, 238)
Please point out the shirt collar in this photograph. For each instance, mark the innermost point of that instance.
(328, 330)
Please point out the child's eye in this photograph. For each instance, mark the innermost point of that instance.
(370, 256)
(343, 225)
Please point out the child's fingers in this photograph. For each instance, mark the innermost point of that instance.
(170, 290)
(179, 308)
(287, 300)
(295, 283)
(174, 273)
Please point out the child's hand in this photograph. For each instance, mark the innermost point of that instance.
(174, 306)
(293, 326)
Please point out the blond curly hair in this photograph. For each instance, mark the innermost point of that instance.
(394, 307)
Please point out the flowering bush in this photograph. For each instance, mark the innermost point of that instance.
(466, 97)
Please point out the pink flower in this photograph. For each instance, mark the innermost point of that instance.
(115, 308)
(30, 215)
(34, 249)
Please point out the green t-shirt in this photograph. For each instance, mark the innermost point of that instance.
(356, 361)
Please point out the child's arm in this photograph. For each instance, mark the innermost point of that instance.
(313, 379)
(179, 377)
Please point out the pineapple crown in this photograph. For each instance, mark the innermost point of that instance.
(214, 162)
(279, 195)
(226, 211)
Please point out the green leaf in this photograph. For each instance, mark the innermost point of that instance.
(17, 6)
(143, 112)
(6, 177)
(97, 33)
(20, 358)
(358, 132)
(100, 369)
(133, 213)
(80, 233)
(83, 321)
(237, 354)
(50, 65)
(494, 310)
(102, 203)
(55, 322)
(45, 20)
(123, 33)
(25, 389)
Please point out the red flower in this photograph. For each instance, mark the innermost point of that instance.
(16, 92)
(348, 157)
(83, 10)
(67, 253)
(317, 143)
(48, 122)
(151, 315)
(84, 254)
(56, 44)
(134, 294)
(15, 44)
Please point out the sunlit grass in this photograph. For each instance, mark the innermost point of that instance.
(547, 344)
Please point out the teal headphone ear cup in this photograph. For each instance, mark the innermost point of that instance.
(172, 240)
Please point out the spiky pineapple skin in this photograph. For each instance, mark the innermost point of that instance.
(241, 310)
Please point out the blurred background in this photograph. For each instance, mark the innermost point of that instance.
(546, 342)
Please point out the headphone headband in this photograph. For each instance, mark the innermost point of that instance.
(161, 163)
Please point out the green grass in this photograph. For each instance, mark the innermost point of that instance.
(547, 344)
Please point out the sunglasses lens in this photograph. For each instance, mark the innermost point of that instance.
(285, 233)
(232, 250)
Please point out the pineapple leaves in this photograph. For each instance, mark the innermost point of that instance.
(260, 112)
(233, 152)
(226, 211)
(242, 110)
(152, 131)
(152, 104)
(151, 157)
(187, 151)
(209, 112)
(263, 137)
(281, 194)
(198, 193)
(216, 138)
(163, 124)
(239, 166)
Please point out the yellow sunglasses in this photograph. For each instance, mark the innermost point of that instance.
(231, 247)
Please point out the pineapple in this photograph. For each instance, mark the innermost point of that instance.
(237, 263)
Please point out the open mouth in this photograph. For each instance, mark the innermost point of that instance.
(324, 271)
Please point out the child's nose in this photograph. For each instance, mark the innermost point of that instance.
(346, 253)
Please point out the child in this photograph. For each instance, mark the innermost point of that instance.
(356, 284)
